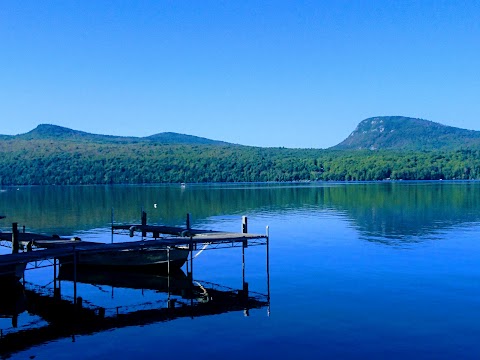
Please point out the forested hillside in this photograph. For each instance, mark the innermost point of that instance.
(45, 162)
(404, 133)
(52, 154)
(59, 133)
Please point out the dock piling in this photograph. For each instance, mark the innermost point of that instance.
(144, 223)
(112, 215)
(244, 225)
(15, 243)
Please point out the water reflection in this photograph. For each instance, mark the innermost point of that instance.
(141, 299)
(386, 210)
(13, 301)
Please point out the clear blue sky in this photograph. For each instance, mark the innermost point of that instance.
(264, 73)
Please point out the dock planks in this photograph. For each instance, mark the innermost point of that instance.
(53, 247)
(63, 248)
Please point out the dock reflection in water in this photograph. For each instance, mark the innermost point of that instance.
(13, 301)
(177, 296)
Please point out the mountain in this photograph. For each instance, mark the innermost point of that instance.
(53, 155)
(376, 133)
(404, 133)
(55, 132)
(174, 138)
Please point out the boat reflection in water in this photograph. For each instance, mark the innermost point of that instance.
(177, 283)
(176, 296)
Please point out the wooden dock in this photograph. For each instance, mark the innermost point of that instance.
(43, 248)
(74, 317)
(69, 249)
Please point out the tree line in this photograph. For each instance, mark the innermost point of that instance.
(47, 162)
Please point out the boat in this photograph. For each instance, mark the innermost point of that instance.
(134, 258)
(120, 255)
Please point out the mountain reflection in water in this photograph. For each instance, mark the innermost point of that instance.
(392, 211)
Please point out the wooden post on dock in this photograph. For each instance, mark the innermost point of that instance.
(244, 225)
(112, 215)
(187, 226)
(244, 231)
(144, 223)
(112, 218)
(15, 243)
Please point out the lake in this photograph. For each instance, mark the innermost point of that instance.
(356, 270)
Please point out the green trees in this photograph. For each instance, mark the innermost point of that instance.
(47, 162)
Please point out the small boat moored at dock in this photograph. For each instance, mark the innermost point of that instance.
(133, 258)
(118, 255)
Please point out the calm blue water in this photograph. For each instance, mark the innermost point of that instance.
(380, 270)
